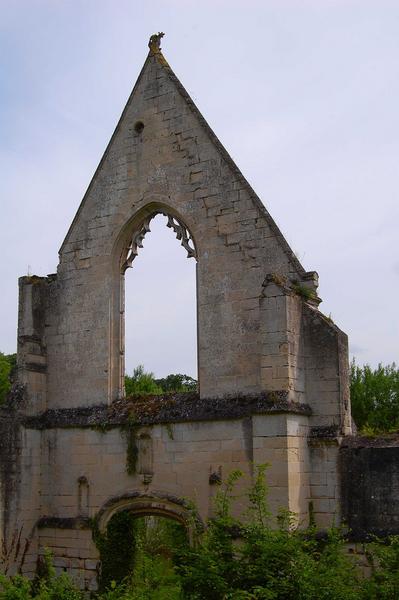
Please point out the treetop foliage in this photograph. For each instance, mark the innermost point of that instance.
(142, 382)
(375, 397)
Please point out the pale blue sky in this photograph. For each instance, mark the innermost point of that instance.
(304, 94)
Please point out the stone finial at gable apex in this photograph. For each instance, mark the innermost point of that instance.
(154, 43)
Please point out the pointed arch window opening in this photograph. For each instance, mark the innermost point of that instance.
(132, 250)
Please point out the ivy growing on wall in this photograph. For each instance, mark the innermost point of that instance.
(132, 451)
(117, 548)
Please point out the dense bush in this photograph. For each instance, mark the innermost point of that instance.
(267, 562)
(48, 587)
(375, 397)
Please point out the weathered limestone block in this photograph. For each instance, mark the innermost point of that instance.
(32, 356)
(325, 492)
(281, 441)
(369, 481)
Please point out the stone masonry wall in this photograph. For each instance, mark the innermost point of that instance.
(370, 485)
(186, 461)
(175, 165)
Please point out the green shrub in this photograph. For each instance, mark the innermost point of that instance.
(384, 561)
(141, 383)
(117, 549)
(15, 588)
(58, 588)
(153, 578)
(7, 367)
(48, 587)
(268, 562)
(250, 557)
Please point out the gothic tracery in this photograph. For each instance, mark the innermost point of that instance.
(181, 231)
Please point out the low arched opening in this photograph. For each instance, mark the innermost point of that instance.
(136, 533)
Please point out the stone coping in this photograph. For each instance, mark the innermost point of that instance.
(166, 408)
(387, 440)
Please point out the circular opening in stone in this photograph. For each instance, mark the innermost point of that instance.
(139, 126)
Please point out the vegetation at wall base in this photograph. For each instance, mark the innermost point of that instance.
(117, 549)
(247, 557)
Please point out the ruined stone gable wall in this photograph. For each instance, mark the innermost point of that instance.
(327, 372)
(173, 165)
(273, 371)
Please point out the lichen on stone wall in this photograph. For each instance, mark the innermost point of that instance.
(132, 452)
(10, 453)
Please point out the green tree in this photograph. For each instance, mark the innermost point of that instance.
(177, 383)
(7, 369)
(375, 397)
(141, 382)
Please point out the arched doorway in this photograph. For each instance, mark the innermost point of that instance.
(140, 537)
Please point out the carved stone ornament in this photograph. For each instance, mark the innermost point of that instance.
(154, 43)
(180, 230)
(182, 234)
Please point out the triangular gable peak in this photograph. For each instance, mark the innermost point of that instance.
(158, 92)
(164, 158)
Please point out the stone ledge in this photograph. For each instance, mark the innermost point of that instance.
(35, 367)
(326, 435)
(64, 523)
(167, 408)
(388, 440)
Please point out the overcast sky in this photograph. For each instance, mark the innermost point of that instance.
(304, 94)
